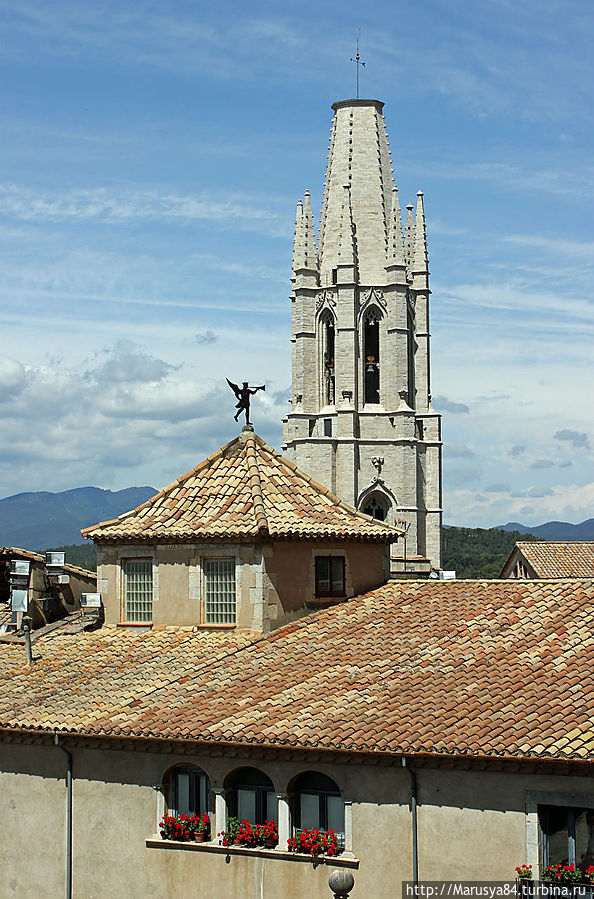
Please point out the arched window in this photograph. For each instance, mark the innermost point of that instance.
(371, 356)
(188, 791)
(318, 803)
(252, 796)
(377, 505)
(327, 346)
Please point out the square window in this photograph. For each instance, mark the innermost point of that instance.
(138, 590)
(219, 591)
(330, 579)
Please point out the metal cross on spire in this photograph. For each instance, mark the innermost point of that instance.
(357, 60)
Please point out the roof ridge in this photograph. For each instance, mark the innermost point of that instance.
(255, 483)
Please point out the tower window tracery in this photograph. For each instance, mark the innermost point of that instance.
(327, 335)
(371, 356)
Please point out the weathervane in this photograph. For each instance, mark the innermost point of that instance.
(243, 394)
(357, 60)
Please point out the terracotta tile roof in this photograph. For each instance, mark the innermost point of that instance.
(83, 678)
(556, 558)
(500, 668)
(244, 490)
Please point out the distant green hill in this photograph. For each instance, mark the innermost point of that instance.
(478, 552)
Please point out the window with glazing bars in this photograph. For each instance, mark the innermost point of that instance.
(219, 590)
(138, 586)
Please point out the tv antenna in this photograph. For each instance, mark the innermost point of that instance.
(357, 60)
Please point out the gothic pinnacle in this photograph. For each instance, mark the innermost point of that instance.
(420, 261)
(410, 235)
(298, 241)
(309, 241)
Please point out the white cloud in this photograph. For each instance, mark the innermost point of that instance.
(114, 207)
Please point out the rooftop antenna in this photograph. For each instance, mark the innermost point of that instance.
(357, 60)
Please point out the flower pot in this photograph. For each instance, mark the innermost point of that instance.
(200, 836)
(237, 841)
(270, 842)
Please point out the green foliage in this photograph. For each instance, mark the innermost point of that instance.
(478, 552)
(82, 555)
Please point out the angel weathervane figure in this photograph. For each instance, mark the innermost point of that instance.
(243, 394)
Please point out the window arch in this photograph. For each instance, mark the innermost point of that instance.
(371, 355)
(378, 505)
(327, 344)
(187, 791)
(251, 796)
(317, 802)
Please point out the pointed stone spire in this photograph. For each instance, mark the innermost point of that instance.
(420, 258)
(359, 155)
(347, 253)
(298, 240)
(395, 256)
(309, 240)
(410, 235)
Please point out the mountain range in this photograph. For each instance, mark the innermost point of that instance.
(41, 520)
(554, 530)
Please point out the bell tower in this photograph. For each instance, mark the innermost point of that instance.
(361, 419)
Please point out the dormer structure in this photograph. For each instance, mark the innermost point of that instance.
(361, 419)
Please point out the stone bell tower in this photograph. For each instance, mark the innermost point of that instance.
(361, 419)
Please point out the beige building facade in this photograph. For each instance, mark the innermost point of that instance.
(361, 420)
(269, 580)
(472, 824)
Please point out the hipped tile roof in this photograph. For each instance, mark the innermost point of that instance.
(558, 558)
(496, 668)
(244, 490)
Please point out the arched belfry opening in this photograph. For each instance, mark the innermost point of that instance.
(371, 355)
(327, 359)
(378, 506)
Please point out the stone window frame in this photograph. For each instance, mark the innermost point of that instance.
(372, 308)
(534, 798)
(196, 579)
(131, 554)
(204, 607)
(325, 317)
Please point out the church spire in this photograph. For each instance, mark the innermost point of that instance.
(359, 156)
(420, 259)
(395, 256)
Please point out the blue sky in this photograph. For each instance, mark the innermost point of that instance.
(151, 160)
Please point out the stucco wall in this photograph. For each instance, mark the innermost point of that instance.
(472, 825)
(291, 569)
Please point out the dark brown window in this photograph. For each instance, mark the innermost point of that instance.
(330, 576)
